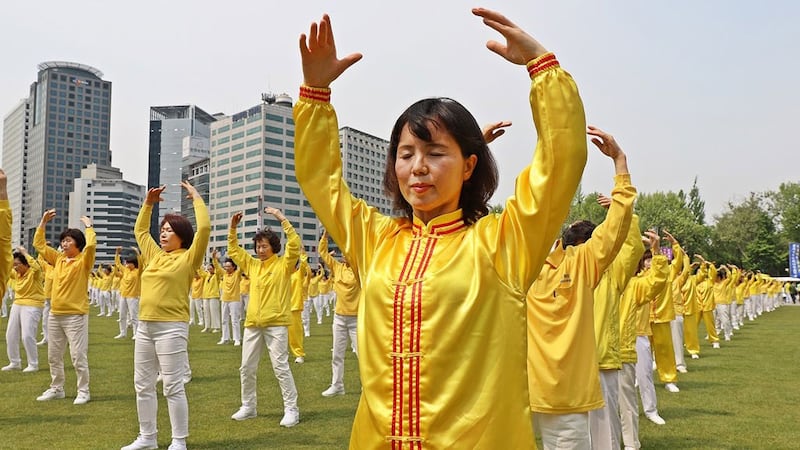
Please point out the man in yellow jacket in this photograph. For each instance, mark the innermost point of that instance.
(563, 376)
(268, 313)
(347, 289)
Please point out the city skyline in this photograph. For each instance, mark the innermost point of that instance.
(671, 82)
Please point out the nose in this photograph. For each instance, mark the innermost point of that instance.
(419, 165)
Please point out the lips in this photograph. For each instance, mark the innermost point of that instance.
(420, 187)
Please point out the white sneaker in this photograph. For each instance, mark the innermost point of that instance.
(11, 367)
(142, 443)
(715, 345)
(222, 342)
(290, 418)
(177, 444)
(299, 360)
(31, 368)
(244, 413)
(695, 356)
(215, 330)
(42, 342)
(682, 369)
(237, 343)
(204, 330)
(51, 394)
(120, 336)
(672, 387)
(186, 379)
(82, 398)
(332, 390)
(656, 419)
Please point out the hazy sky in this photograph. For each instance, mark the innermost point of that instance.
(689, 88)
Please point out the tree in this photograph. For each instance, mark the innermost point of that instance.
(585, 207)
(696, 205)
(668, 210)
(785, 206)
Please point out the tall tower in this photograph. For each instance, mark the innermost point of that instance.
(16, 126)
(67, 118)
(179, 137)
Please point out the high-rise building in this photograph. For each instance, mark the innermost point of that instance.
(195, 173)
(69, 120)
(15, 153)
(363, 164)
(252, 166)
(178, 137)
(112, 203)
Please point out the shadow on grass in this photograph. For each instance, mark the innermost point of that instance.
(685, 413)
(678, 441)
(36, 420)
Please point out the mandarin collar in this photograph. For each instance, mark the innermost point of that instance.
(441, 225)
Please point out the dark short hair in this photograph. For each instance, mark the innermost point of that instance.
(76, 235)
(269, 236)
(451, 116)
(648, 254)
(228, 260)
(132, 260)
(181, 227)
(21, 258)
(577, 233)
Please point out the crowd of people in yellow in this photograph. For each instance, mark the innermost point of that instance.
(572, 327)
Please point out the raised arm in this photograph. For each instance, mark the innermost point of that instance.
(39, 244)
(235, 252)
(141, 229)
(198, 248)
(532, 217)
(90, 249)
(292, 252)
(6, 259)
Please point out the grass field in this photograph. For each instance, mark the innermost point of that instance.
(742, 396)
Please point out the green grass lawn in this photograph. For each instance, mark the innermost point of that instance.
(744, 395)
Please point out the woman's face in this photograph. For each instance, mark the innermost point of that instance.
(21, 268)
(70, 247)
(168, 239)
(431, 174)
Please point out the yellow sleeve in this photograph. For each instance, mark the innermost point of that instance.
(89, 250)
(200, 242)
(6, 258)
(293, 243)
(141, 229)
(607, 239)
(324, 255)
(40, 245)
(237, 254)
(655, 280)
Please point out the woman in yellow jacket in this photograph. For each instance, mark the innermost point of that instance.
(269, 313)
(130, 289)
(26, 311)
(447, 280)
(231, 299)
(196, 298)
(211, 306)
(68, 323)
(163, 332)
(705, 293)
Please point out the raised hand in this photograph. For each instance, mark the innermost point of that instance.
(655, 241)
(603, 201)
(670, 237)
(492, 131)
(275, 212)
(191, 192)
(235, 219)
(87, 222)
(154, 195)
(318, 52)
(48, 216)
(520, 47)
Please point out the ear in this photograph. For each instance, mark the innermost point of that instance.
(469, 166)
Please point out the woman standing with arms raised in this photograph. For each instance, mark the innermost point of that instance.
(441, 327)
(163, 333)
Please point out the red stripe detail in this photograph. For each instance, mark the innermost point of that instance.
(397, 345)
(544, 67)
(544, 60)
(447, 224)
(315, 94)
(426, 262)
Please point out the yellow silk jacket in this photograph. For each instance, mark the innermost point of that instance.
(345, 282)
(607, 296)
(637, 294)
(230, 283)
(29, 289)
(441, 326)
(562, 353)
(270, 280)
(70, 276)
(131, 284)
(167, 276)
(298, 280)
(6, 257)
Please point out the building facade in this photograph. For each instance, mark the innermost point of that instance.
(15, 154)
(112, 203)
(69, 122)
(178, 137)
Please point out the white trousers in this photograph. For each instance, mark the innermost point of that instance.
(232, 320)
(604, 424)
(644, 375)
(161, 348)
(676, 327)
(305, 316)
(211, 310)
(318, 301)
(23, 322)
(629, 406)
(276, 340)
(344, 327)
(195, 311)
(724, 320)
(563, 431)
(105, 302)
(72, 330)
(45, 315)
(732, 311)
(128, 310)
